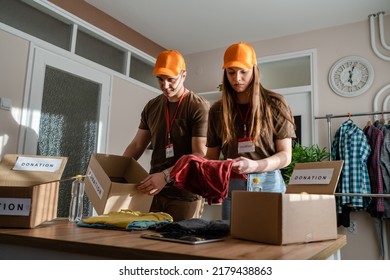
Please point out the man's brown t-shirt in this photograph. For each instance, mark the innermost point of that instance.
(190, 121)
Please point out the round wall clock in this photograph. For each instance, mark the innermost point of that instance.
(351, 76)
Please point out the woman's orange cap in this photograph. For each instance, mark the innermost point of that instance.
(240, 55)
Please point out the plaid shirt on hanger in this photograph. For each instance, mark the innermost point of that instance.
(350, 145)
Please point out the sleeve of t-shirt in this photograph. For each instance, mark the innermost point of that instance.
(143, 122)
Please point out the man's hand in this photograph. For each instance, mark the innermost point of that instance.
(152, 184)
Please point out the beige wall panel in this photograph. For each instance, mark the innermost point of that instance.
(13, 65)
(127, 103)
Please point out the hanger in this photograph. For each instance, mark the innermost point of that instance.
(368, 124)
(382, 121)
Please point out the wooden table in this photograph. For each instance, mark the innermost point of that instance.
(60, 239)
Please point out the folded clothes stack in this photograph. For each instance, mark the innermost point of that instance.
(127, 220)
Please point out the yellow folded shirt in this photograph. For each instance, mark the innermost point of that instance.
(124, 217)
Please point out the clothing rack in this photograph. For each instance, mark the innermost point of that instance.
(328, 118)
(363, 194)
(384, 240)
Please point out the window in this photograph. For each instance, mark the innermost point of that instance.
(141, 70)
(100, 52)
(293, 72)
(56, 29)
(21, 16)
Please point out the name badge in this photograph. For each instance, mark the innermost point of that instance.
(169, 151)
(245, 145)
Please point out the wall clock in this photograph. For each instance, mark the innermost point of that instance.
(351, 76)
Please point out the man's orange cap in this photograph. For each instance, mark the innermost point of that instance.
(169, 63)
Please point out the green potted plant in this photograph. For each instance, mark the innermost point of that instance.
(312, 153)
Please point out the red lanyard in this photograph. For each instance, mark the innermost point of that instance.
(167, 117)
(246, 116)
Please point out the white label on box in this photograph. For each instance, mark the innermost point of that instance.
(95, 183)
(37, 164)
(15, 206)
(311, 176)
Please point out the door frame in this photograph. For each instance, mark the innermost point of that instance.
(299, 100)
(39, 58)
(296, 92)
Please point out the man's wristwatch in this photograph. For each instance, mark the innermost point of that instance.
(167, 176)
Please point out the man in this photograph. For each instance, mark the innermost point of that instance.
(175, 123)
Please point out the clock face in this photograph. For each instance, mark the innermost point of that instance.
(351, 76)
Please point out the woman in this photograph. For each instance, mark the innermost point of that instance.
(251, 125)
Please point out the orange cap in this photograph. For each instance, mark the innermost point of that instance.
(240, 55)
(169, 63)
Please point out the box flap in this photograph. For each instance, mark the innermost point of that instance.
(315, 177)
(31, 169)
(135, 173)
(112, 165)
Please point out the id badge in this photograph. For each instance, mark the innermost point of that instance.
(245, 145)
(169, 151)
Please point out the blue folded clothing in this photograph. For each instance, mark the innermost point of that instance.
(138, 225)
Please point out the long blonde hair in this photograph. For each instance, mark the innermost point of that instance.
(265, 104)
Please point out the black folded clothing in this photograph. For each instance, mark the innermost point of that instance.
(195, 227)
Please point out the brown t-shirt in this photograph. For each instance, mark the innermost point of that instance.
(284, 129)
(190, 121)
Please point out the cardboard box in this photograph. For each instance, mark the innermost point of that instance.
(300, 215)
(111, 184)
(29, 189)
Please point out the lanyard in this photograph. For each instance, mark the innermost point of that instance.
(167, 117)
(246, 117)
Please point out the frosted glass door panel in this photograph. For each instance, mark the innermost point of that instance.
(69, 125)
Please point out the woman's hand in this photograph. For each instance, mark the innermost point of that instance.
(243, 165)
(280, 159)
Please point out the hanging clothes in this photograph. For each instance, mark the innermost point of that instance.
(382, 164)
(385, 165)
(350, 145)
(375, 139)
(381, 155)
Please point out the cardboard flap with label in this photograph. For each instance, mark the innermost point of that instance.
(29, 170)
(315, 177)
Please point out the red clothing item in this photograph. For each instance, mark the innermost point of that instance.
(208, 178)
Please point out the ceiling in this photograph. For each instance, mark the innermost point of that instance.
(202, 25)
